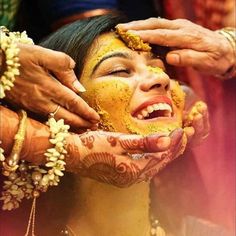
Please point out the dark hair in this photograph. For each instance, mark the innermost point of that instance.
(75, 39)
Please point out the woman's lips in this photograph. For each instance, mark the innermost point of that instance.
(159, 106)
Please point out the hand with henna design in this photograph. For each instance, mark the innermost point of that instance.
(104, 156)
(107, 157)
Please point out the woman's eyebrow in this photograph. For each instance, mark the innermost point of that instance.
(116, 54)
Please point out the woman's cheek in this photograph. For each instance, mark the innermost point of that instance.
(111, 99)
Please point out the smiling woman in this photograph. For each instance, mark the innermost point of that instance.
(130, 89)
(133, 94)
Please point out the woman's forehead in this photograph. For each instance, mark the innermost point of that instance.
(110, 42)
(107, 42)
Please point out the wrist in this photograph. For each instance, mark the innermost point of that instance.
(73, 153)
(9, 122)
(36, 142)
(230, 35)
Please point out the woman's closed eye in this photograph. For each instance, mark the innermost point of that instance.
(120, 72)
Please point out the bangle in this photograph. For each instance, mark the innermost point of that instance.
(27, 181)
(11, 162)
(8, 44)
(230, 34)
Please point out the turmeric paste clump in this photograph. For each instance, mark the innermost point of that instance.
(133, 41)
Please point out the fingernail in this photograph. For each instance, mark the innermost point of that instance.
(173, 59)
(78, 86)
(163, 143)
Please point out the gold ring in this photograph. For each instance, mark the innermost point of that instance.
(52, 114)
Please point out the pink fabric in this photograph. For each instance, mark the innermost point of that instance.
(203, 184)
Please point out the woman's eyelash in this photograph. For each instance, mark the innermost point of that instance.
(119, 71)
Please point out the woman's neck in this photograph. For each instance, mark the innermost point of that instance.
(103, 209)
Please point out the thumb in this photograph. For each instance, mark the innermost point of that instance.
(186, 57)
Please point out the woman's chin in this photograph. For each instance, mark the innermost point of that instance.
(131, 125)
(150, 126)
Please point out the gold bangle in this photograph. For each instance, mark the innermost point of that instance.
(29, 180)
(11, 162)
(230, 34)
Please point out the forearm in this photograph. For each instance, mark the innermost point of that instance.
(36, 140)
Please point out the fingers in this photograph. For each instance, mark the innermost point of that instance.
(135, 157)
(163, 37)
(178, 33)
(189, 131)
(149, 144)
(197, 123)
(152, 163)
(137, 143)
(49, 91)
(74, 104)
(73, 120)
(60, 65)
(151, 23)
(201, 122)
(173, 33)
(54, 60)
(70, 118)
(69, 79)
(177, 146)
(188, 57)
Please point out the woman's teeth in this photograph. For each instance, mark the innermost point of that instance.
(154, 111)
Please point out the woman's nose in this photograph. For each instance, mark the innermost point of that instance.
(155, 79)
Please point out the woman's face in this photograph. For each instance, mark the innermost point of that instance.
(129, 89)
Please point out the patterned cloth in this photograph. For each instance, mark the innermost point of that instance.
(8, 10)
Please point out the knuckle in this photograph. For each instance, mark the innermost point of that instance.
(162, 39)
(182, 22)
(197, 36)
(64, 60)
(153, 19)
(72, 103)
(73, 120)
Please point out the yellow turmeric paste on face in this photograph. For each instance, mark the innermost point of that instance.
(156, 69)
(133, 41)
(111, 97)
(177, 94)
(111, 100)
